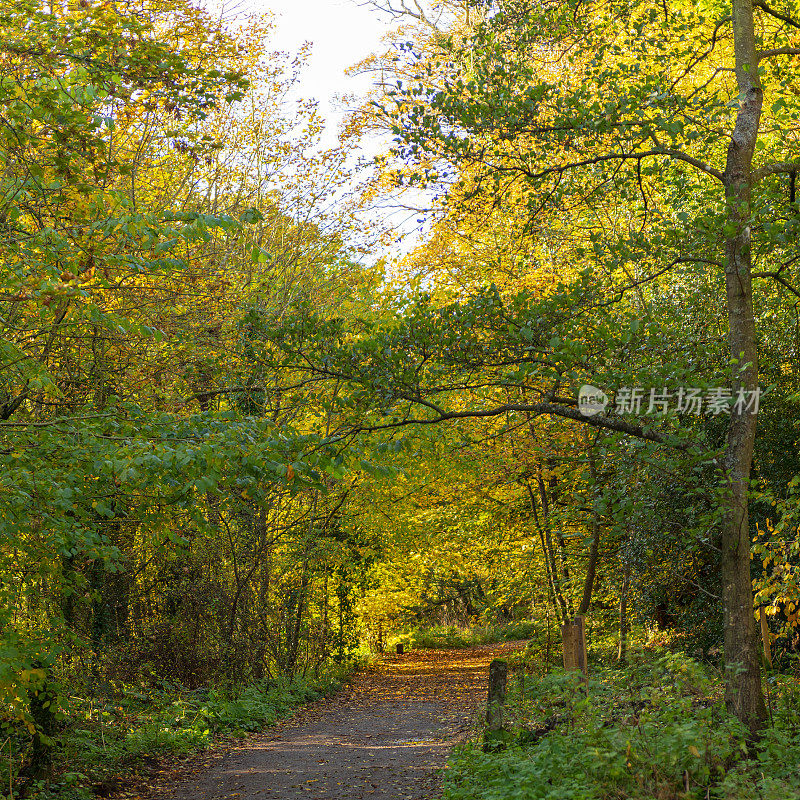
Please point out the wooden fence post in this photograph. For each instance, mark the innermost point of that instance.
(573, 634)
(498, 678)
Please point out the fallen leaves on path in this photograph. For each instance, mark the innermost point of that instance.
(385, 736)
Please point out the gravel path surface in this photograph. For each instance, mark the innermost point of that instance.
(384, 737)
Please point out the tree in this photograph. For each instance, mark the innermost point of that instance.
(575, 109)
(153, 510)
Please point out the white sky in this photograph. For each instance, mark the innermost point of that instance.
(342, 33)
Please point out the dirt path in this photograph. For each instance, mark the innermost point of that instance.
(384, 737)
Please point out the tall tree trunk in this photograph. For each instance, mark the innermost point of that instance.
(622, 652)
(553, 490)
(743, 693)
(549, 558)
(591, 567)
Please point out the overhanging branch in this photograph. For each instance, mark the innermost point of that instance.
(678, 155)
(535, 409)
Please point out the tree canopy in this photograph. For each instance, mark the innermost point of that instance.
(241, 436)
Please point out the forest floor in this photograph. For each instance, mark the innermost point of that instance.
(385, 736)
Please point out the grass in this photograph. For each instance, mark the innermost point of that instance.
(656, 730)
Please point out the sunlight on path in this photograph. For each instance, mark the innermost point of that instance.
(386, 736)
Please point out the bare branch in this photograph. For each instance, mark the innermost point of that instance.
(404, 9)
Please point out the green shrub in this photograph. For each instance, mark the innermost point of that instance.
(649, 731)
(158, 737)
(520, 630)
(442, 637)
(115, 736)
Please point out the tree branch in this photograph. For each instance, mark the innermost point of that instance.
(659, 151)
(681, 156)
(537, 409)
(777, 277)
(777, 14)
(50, 422)
(779, 167)
(618, 292)
(778, 51)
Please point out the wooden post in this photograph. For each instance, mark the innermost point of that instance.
(765, 635)
(498, 678)
(573, 634)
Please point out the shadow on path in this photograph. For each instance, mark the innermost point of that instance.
(384, 737)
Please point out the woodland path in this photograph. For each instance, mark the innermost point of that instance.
(386, 736)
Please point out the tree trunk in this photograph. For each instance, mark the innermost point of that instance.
(573, 635)
(622, 652)
(554, 491)
(549, 558)
(549, 494)
(591, 567)
(762, 618)
(743, 692)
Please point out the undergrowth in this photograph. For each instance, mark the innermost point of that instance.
(655, 730)
(128, 732)
(442, 637)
